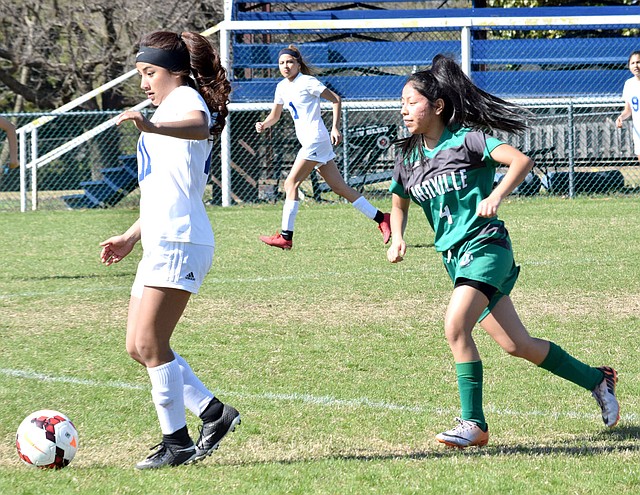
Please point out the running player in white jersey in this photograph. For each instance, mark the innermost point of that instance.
(631, 98)
(8, 127)
(300, 93)
(447, 167)
(174, 151)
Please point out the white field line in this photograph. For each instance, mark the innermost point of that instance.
(323, 401)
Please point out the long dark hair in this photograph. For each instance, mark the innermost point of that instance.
(465, 104)
(209, 76)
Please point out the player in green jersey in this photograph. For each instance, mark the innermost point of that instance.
(447, 166)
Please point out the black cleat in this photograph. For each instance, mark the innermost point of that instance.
(168, 455)
(212, 432)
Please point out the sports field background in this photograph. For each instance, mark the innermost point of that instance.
(335, 358)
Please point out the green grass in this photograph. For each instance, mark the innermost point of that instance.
(335, 358)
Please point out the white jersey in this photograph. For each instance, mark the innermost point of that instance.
(631, 95)
(172, 174)
(302, 98)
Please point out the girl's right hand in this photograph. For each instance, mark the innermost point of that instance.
(397, 250)
(141, 122)
(619, 122)
(115, 249)
(259, 127)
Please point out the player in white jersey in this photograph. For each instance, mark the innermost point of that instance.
(174, 151)
(631, 97)
(300, 93)
(8, 127)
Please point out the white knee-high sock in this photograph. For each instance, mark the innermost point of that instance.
(289, 212)
(166, 391)
(196, 395)
(364, 207)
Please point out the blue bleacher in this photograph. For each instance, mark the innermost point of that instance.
(115, 184)
(346, 55)
(425, 13)
(554, 77)
(516, 68)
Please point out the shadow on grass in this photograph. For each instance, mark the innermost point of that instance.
(622, 432)
(76, 277)
(618, 440)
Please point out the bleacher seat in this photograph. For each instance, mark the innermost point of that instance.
(511, 68)
(116, 183)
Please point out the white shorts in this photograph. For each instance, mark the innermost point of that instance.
(179, 265)
(317, 152)
(636, 144)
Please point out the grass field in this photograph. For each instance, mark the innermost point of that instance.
(335, 358)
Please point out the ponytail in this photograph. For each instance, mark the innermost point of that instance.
(472, 106)
(210, 77)
(465, 104)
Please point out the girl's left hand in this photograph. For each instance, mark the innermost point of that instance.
(488, 207)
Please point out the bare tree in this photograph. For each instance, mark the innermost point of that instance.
(52, 51)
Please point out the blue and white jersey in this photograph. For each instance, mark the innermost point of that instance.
(172, 174)
(302, 98)
(631, 95)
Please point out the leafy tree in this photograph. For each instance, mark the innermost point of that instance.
(52, 51)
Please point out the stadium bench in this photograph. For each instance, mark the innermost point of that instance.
(115, 184)
(509, 68)
(341, 9)
(336, 58)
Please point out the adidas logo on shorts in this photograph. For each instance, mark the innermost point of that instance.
(190, 276)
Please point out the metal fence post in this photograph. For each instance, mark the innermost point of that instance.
(572, 190)
(345, 144)
(225, 163)
(34, 169)
(465, 50)
(225, 138)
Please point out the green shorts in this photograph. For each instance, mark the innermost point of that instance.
(487, 260)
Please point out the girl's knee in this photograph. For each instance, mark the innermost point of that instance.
(290, 186)
(134, 354)
(144, 351)
(454, 333)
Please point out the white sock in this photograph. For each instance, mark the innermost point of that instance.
(166, 391)
(196, 395)
(289, 212)
(364, 207)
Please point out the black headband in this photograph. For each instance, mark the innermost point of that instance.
(289, 51)
(173, 60)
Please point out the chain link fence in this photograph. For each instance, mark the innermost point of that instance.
(103, 167)
(569, 79)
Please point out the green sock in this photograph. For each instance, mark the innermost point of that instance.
(470, 389)
(561, 363)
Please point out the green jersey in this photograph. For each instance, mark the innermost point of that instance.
(449, 182)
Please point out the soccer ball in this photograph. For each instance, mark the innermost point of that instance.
(47, 439)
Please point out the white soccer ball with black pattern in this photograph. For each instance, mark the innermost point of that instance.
(47, 439)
